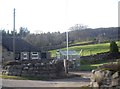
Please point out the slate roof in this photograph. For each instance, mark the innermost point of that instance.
(20, 45)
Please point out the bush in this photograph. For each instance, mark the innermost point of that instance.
(113, 47)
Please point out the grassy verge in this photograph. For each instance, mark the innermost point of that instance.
(22, 78)
(37, 78)
(89, 67)
(12, 77)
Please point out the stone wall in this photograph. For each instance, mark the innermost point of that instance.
(105, 79)
(101, 56)
(35, 68)
(109, 77)
(6, 55)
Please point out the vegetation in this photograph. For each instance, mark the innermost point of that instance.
(57, 40)
(77, 35)
(89, 67)
(87, 49)
(21, 77)
(12, 77)
(113, 47)
(23, 32)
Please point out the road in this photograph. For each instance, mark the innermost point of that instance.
(68, 82)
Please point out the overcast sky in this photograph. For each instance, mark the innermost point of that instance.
(58, 15)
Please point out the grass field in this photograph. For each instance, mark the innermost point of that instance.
(89, 49)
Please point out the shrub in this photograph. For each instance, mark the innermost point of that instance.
(113, 47)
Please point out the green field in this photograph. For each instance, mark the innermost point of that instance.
(88, 49)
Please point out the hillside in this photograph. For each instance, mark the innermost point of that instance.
(77, 36)
(88, 49)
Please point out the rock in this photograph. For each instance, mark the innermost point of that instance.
(26, 68)
(118, 60)
(52, 75)
(95, 84)
(104, 87)
(115, 82)
(92, 78)
(115, 75)
(99, 76)
(105, 79)
(108, 73)
(93, 71)
(33, 68)
(117, 87)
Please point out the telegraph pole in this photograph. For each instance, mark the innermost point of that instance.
(14, 34)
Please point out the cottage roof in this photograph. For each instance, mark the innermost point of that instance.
(20, 45)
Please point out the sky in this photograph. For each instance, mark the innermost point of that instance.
(58, 15)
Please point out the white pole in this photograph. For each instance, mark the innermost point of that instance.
(67, 43)
(14, 34)
(65, 60)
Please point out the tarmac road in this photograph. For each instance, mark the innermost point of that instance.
(68, 82)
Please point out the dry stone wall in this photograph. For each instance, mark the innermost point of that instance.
(35, 68)
(106, 78)
(102, 56)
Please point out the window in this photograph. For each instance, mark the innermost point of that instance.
(34, 55)
(24, 55)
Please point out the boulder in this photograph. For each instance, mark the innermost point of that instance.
(115, 75)
(115, 82)
(108, 73)
(115, 79)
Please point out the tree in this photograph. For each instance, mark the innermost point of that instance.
(23, 31)
(3, 32)
(113, 47)
(78, 27)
